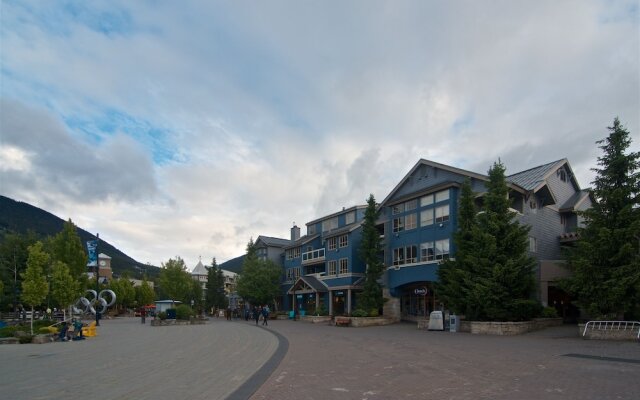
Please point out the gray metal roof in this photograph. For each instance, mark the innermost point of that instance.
(274, 242)
(199, 269)
(576, 198)
(312, 282)
(532, 178)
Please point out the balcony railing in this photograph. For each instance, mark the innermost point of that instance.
(313, 256)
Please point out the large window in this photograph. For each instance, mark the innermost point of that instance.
(350, 218)
(411, 205)
(293, 273)
(397, 209)
(343, 241)
(442, 213)
(427, 252)
(398, 224)
(331, 243)
(442, 196)
(311, 230)
(442, 249)
(330, 224)
(426, 217)
(410, 221)
(405, 255)
(332, 267)
(426, 200)
(344, 266)
(293, 253)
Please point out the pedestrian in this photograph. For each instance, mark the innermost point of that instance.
(256, 314)
(265, 315)
(64, 328)
(77, 329)
(143, 314)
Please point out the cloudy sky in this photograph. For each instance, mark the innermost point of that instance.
(185, 128)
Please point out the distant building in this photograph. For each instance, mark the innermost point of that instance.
(105, 273)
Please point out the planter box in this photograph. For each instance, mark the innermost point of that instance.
(316, 319)
(169, 322)
(512, 328)
(359, 322)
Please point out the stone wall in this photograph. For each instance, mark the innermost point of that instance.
(512, 328)
(359, 322)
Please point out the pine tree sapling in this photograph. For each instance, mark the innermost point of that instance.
(370, 299)
(34, 283)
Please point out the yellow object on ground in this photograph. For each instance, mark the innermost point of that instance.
(90, 330)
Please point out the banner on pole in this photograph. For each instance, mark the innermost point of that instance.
(92, 246)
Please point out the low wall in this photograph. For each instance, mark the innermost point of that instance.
(170, 322)
(316, 319)
(609, 334)
(512, 328)
(360, 322)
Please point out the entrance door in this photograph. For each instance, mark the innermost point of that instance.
(338, 302)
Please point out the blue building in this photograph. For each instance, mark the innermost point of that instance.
(419, 218)
(322, 268)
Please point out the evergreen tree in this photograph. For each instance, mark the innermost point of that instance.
(215, 287)
(64, 289)
(491, 277)
(456, 276)
(34, 283)
(370, 299)
(259, 282)
(606, 259)
(67, 247)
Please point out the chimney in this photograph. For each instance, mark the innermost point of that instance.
(295, 232)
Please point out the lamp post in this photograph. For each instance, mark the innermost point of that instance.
(97, 279)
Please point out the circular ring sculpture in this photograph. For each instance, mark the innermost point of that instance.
(97, 302)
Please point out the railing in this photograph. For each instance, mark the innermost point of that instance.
(612, 326)
(313, 255)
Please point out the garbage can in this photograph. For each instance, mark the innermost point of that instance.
(171, 313)
(454, 323)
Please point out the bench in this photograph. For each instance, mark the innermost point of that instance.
(342, 321)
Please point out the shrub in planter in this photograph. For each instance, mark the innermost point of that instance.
(162, 315)
(374, 313)
(8, 331)
(549, 312)
(25, 339)
(321, 311)
(524, 310)
(359, 313)
(183, 311)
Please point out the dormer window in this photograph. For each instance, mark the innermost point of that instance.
(562, 174)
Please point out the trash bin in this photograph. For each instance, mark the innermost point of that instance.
(454, 323)
(171, 313)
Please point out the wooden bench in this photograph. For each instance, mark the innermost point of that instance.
(342, 321)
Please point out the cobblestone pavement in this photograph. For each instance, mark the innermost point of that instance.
(231, 360)
(401, 362)
(129, 360)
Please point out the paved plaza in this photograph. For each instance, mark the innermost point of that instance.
(299, 360)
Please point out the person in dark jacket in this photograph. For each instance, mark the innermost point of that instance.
(265, 315)
(256, 314)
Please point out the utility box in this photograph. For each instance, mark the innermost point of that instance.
(171, 313)
(454, 323)
(436, 322)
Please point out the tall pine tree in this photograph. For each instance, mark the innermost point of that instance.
(606, 260)
(370, 299)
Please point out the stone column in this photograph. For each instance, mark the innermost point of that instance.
(330, 302)
(391, 308)
(349, 301)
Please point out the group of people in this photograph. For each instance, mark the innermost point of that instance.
(259, 313)
(64, 334)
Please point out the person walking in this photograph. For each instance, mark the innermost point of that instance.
(265, 315)
(143, 314)
(256, 314)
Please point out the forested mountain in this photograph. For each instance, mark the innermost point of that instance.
(19, 217)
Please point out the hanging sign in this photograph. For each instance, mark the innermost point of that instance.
(93, 257)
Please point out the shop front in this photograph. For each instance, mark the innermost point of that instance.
(417, 300)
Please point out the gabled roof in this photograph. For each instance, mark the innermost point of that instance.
(575, 200)
(343, 211)
(310, 281)
(273, 241)
(302, 241)
(199, 269)
(534, 178)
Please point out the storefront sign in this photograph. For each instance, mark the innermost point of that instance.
(422, 291)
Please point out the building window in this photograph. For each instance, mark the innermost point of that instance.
(311, 230)
(426, 200)
(398, 224)
(411, 205)
(329, 224)
(442, 196)
(331, 243)
(562, 174)
(533, 204)
(397, 209)
(426, 217)
(442, 249)
(350, 218)
(332, 267)
(293, 253)
(344, 266)
(289, 275)
(411, 254)
(410, 221)
(533, 244)
(442, 213)
(343, 241)
(427, 252)
(296, 272)
(398, 256)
